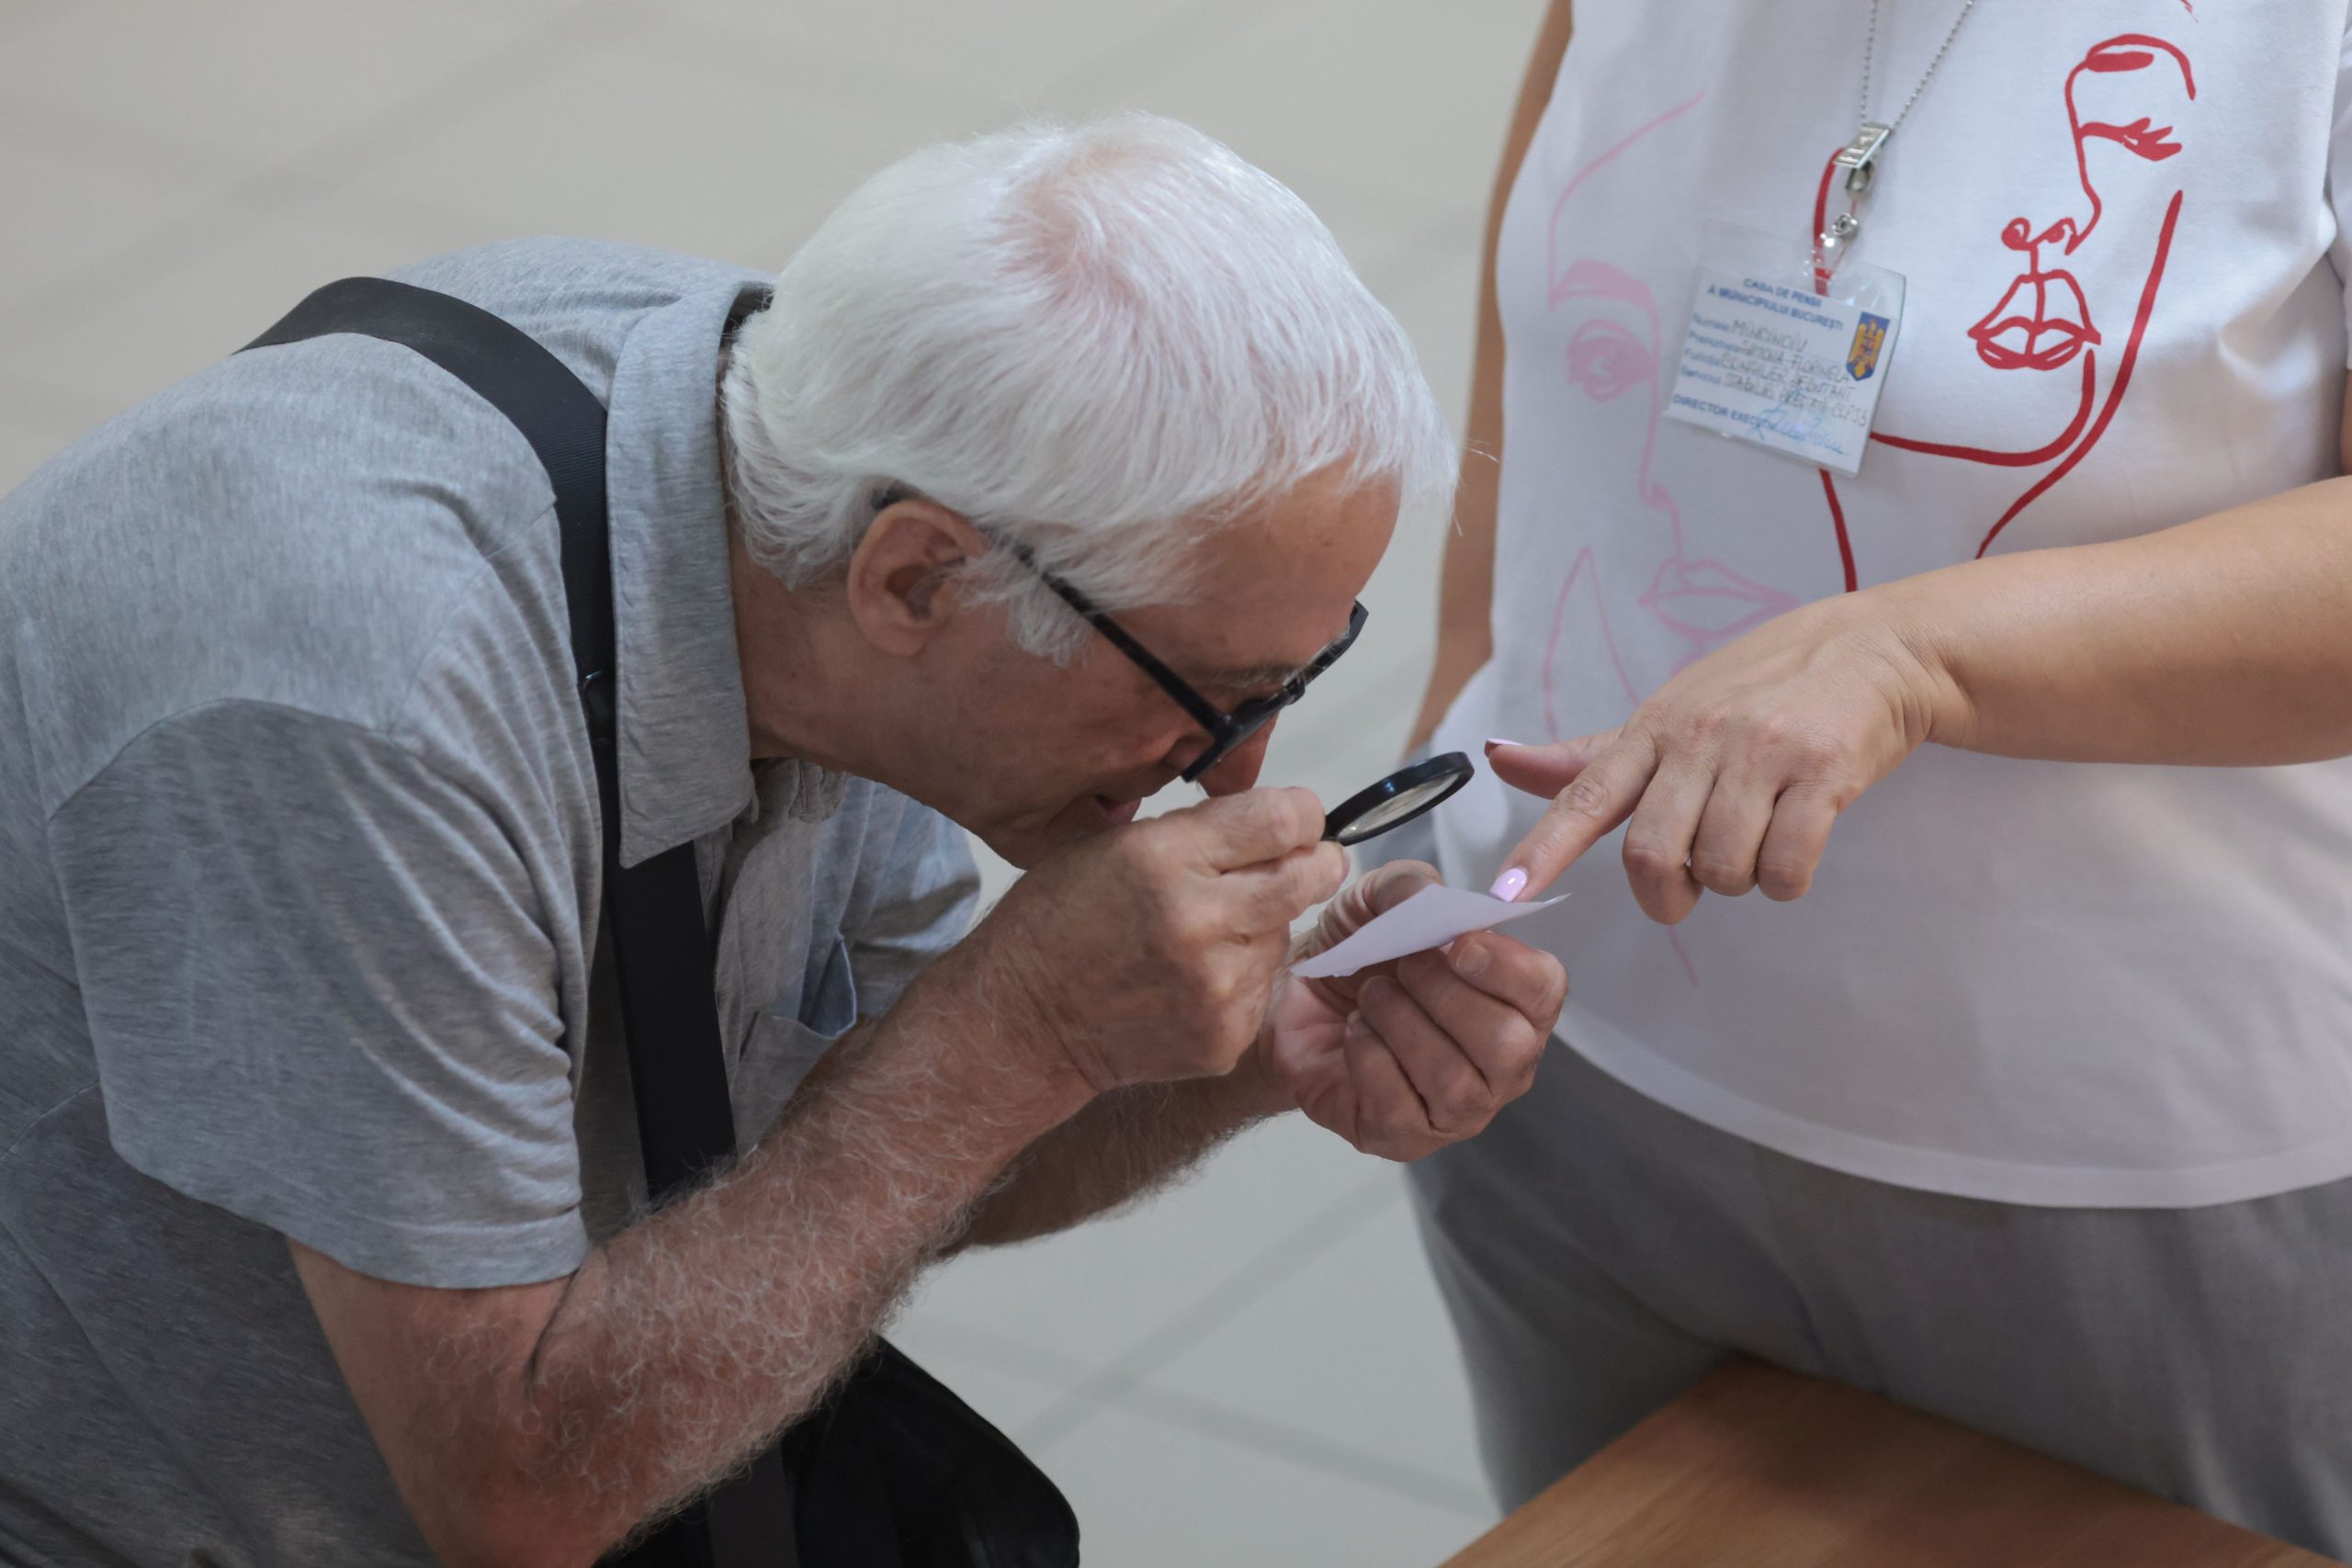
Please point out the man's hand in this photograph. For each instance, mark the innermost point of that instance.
(1732, 772)
(1403, 1058)
(535, 1424)
(1149, 953)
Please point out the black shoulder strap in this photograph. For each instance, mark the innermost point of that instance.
(669, 1007)
(510, 371)
(661, 948)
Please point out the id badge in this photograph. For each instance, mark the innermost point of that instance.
(1770, 358)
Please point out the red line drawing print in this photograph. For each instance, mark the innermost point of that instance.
(2043, 320)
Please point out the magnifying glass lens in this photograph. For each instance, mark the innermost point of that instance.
(1397, 810)
(1397, 799)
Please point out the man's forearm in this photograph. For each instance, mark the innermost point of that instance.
(2224, 641)
(1121, 1147)
(688, 1340)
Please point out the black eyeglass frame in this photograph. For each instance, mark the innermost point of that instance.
(1226, 731)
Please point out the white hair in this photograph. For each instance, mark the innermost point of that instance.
(1098, 343)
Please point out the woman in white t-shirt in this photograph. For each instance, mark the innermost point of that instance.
(2035, 1109)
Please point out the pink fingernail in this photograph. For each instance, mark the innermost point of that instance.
(1509, 885)
(1493, 741)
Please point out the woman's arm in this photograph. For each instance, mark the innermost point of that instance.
(2224, 641)
(1464, 635)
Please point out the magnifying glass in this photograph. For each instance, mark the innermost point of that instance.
(1397, 799)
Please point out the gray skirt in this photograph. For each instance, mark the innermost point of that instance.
(1599, 1252)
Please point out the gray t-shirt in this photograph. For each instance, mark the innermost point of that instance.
(299, 864)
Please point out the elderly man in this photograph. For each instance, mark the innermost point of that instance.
(326, 1236)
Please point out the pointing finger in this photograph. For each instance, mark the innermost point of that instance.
(1602, 794)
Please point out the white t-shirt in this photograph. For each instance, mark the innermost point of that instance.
(2035, 982)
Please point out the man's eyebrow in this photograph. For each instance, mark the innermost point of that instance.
(1255, 675)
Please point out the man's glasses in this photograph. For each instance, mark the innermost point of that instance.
(1226, 731)
(1388, 804)
(1391, 803)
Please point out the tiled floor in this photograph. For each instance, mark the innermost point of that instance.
(1255, 1368)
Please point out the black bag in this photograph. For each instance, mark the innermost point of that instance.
(894, 1472)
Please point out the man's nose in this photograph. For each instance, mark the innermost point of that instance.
(1238, 770)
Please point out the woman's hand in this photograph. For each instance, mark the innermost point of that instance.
(1732, 772)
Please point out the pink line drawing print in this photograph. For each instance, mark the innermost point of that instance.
(1615, 344)
(1584, 572)
(2043, 320)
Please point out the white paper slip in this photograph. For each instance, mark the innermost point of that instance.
(1431, 918)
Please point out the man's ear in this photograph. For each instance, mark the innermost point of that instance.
(900, 589)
